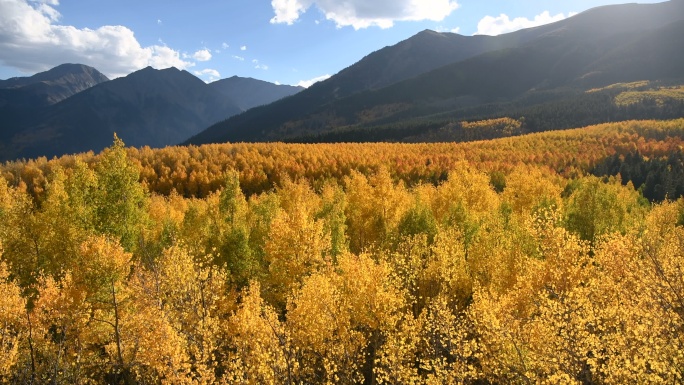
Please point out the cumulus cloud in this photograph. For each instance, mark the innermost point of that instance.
(209, 74)
(202, 55)
(309, 83)
(362, 13)
(493, 26)
(240, 58)
(31, 40)
(225, 45)
(243, 48)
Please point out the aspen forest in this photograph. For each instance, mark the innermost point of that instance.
(553, 257)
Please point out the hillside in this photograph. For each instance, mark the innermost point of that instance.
(527, 68)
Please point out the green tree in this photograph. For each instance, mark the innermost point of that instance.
(596, 208)
(235, 253)
(120, 198)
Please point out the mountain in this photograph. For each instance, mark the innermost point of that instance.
(433, 73)
(51, 86)
(247, 93)
(82, 110)
(23, 98)
(148, 107)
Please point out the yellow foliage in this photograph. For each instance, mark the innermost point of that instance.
(12, 323)
(380, 263)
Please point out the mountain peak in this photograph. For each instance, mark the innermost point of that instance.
(56, 84)
(252, 92)
(429, 32)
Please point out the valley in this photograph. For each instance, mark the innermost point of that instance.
(449, 209)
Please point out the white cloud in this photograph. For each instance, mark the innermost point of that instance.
(225, 45)
(445, 29)
(243, 48)
(493, 26)
(202, 55)
(31, 40)
(363, 13)
(259, 66)
(209, 74)
(240, 58)
(309, 83)
(159, 22)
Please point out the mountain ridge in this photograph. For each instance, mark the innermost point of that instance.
(148, 107)
(56, 84)
(317, 110)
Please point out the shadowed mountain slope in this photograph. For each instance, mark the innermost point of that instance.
(597, 47)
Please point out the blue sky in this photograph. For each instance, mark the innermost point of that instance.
(283, 41)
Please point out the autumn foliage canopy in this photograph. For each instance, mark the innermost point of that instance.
(488, 262)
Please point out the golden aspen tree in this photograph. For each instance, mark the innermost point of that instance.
(263, 351)
(23, 238)
(200, 232)
(468, 188)
(447, 350)
(166, 214)
(447, 271)
(296, 246)
(153, 350)
(195, 299)
(528, 188)
(360, 212)
(376, 205)
(81, 186)
(464, 202)
(59, 222)
(407, 263)
(376, 303)
(128, 327)
(397, 361)
(391, 201)
(60, 349)
(331, 350)
(660, 269)
(541, 328)
(434, 348)
(497, 253)
(13, 328)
